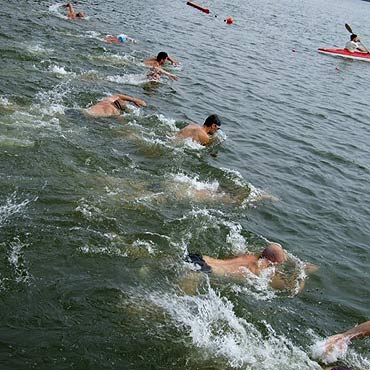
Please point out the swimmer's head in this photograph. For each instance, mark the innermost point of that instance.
(80, 15)
(162, 57)
(353, 37)
(213, 123)
(274, 253)
(212, 119)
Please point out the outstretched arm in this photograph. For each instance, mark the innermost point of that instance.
(169, 75)
(362, 330)
(138, 102)
(340, 342)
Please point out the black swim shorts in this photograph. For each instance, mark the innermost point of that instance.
(198, 260)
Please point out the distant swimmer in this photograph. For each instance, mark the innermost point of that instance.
(239, 267)
(336, 346)
(160, 59)
(353, 45)
(72, 14)
(118, 39)
(113, 106)
(156, 64)
(201, 134)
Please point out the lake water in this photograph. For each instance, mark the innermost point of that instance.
(96, 215)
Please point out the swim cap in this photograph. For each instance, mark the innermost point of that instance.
(122, 38)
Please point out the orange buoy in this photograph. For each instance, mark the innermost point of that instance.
(203, 9)
(229, 20)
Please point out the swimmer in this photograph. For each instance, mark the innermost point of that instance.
(118, 39)
(113, 106)
(201, 134)
(159, 60)
(72, 14)
(239, 267)
(156, 67)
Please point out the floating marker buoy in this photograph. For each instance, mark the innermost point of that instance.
(229, 20)
(203, 9)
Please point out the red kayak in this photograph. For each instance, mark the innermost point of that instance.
(344, 53)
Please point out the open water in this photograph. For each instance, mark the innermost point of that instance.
(97, 214)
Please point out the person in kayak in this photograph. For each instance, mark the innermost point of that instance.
(72, 14)
(353, 45)
(113, 106)
(201, 134)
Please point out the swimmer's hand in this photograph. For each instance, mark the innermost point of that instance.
(173, 77)
(139, 103)
(338, 343)
(66, 5)
(310, 268)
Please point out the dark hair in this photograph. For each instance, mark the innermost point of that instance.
(353, 36)
(162, 55)
(213, 118)
(79, 15)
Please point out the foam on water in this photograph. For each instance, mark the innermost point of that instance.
(11, 207)
(37, 49)
(14, 142)
(235, 176)
(60, 70)
(4, 101)
(130, 79)
(235, 238)
(52, 100)
(17, 261)
(213, 327)
(168, 122)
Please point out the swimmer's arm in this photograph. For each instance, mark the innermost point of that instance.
(71, 13)
(169, 75)
(362, 330)
(173, 61)
(342, 340)
(138, 102)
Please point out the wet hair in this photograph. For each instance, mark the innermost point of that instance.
(210, 120)
(80, 15)
(162, 55)
(353, 36)
(274, 253)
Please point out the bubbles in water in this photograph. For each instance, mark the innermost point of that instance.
(214, 328)
(11, 207)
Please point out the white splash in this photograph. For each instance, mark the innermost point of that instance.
(60, 70)
(130, 79)
(213, 327)
(192, 187)
(191, 144)
(4, 101)
(11, 207)
(235, 238)
(88, 210)
(148, 245)
(16, 259)
(168, 122)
